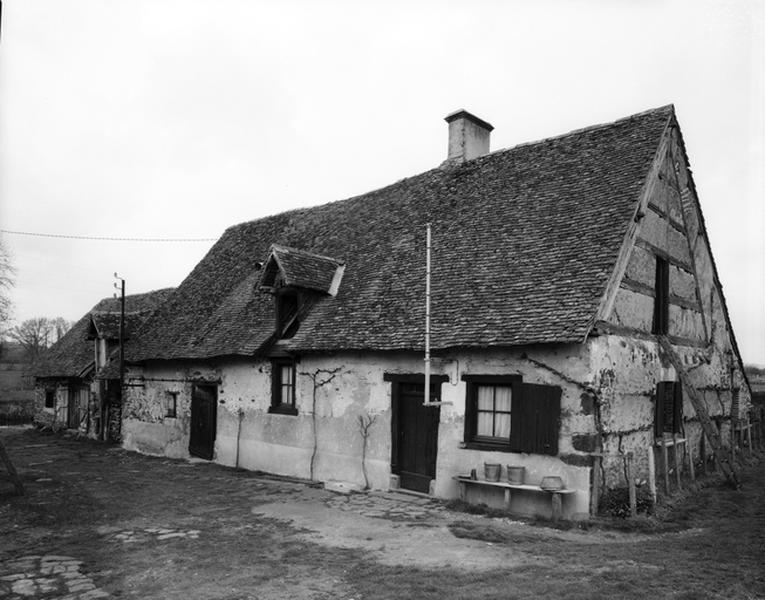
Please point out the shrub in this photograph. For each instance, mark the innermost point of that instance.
(616, 502)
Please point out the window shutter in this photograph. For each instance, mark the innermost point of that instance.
(535, 421)
(517, 419)
(677, 405)
(470, 412)
(659, 416)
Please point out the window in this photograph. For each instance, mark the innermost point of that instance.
(171, 405)
(661, 300)
(493, 409)
(287, 313)
(503, 413)
(50, 398)
(283, 387)
(669, 408)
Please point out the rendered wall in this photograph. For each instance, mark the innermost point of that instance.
(249, 436)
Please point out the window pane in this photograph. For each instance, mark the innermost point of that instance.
(503, 396)
(484, 425)
(286, 394)
(286, 375)
(502, 425)
(485, 397)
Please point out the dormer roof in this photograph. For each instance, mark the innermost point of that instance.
(290, 267)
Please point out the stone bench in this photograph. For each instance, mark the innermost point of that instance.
(556, 495)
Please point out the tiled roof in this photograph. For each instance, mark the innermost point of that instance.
(106, 325)
(524, 241)
(73, 354)
(300, 269)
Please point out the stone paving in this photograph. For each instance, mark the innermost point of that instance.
(391, 506)
(48, 576)
(130, 536)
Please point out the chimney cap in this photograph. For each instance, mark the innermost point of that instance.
(463, 114)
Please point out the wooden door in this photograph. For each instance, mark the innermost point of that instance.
(415, 434)
(73, 409)
(204, 405)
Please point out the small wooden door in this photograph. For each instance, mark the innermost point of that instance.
(204, 406)
(415, 435)
(73, 409)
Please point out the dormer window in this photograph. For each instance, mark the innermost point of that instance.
(287, 305)
(297, 279)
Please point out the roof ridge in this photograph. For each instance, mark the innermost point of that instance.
(445, 166)
(283, 248)
(587, 129)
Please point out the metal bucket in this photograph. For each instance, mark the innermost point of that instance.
(491, 471)
(515, 474)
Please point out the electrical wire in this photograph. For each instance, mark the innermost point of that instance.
(105, 238)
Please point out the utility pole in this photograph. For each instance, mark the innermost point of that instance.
(121, 287)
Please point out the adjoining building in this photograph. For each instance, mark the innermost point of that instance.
(77, 379)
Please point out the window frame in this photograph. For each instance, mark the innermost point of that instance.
(278, 406)
(668, 391)
(660, 325)
(171, 405)
(471, 438)
(287, 322)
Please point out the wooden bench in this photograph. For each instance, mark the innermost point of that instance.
(556, 495)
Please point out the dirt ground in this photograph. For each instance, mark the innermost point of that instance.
(99, 522)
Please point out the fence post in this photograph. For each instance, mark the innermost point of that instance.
(631, 484)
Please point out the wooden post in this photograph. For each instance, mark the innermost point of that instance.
(11, 470)
(557, 506)
(631, 484)
(701, 411)
(595, 492)
(749, 437)
(732, 441)
(703, 450)
(689, 454)
(665, 460)
(675, 444)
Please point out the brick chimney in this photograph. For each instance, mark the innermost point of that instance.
(468, 136)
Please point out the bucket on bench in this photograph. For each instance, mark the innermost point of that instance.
(515, 474)
(491, 471)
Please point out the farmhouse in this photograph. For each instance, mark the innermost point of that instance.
(557, 267)
(77, 381)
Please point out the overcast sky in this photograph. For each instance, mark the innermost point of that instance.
(177, 119)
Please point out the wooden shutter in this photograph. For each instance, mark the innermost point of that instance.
(658, 420)
(535, 421)
(677, 407)
(470, 412)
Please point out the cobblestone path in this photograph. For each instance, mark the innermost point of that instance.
(391, 506)
(47, 576)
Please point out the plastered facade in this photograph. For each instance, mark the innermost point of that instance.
(252, 438)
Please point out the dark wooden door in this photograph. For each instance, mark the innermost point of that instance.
(415, 435)
(73, 412)
(204, 405)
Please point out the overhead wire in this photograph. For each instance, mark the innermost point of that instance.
(104, 238)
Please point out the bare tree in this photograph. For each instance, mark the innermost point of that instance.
(34, 335)
(6, 283)
(60, 326)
